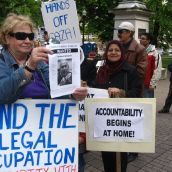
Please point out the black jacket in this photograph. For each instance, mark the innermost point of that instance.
(127, 79)
(170, 70)
(88, 71)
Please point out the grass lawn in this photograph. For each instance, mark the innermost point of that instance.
(166, 60)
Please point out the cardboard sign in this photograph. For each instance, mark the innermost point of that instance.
(35, 136)
(120, 124)
(61, 20)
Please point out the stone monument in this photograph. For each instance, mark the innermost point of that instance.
(135, 12)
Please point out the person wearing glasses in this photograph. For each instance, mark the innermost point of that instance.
(23, 68)
(135, 54)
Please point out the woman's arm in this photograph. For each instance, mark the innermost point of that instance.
(11, 82)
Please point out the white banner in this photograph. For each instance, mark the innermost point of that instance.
(61, 20)
(39, 135)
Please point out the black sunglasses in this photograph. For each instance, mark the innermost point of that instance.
(120, 31)
(22, 35)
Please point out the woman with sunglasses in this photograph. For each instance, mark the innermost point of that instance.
(121, 80)
(23, 69)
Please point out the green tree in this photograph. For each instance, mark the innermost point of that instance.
(160, 22)
(28, 7)
(99, 20)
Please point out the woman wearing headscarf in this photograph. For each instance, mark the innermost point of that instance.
(121, 80)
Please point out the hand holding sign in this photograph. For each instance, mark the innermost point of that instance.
(116, 93)
(80, 93)
(38, 54)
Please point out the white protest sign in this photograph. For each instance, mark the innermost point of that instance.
(39, 135)
(116, 121)
(120, 124)
(64, 69)
(92, 93)
(61, 20)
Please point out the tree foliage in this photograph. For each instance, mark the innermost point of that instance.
(28, 7)
(99, 20)
(160, 21)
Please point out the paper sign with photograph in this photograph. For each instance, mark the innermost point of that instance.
(64, 69)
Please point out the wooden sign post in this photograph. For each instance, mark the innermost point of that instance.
(118, 162)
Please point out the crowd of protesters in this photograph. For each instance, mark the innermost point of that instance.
(128, 69)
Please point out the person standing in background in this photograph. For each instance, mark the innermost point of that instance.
(153, 73)
(168, 101)
(46, 38)
(88, 74)
(135, 54)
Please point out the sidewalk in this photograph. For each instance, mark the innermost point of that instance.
(161, 160)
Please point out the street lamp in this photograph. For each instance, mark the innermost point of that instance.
(84, 13)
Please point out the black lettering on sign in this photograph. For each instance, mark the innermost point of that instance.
(123, 133)
(106, 132)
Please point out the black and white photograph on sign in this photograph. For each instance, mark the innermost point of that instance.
(64, 69)
(64, 72)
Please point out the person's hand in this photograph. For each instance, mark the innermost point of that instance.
(80, 93)
(38, 54)
(113, 92)
(151, 87)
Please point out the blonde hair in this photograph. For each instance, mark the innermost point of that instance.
(10, 22)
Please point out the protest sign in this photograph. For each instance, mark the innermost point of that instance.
(39, 135)
(64, 69)
(120, 124)
(92, 93)
(61, 20)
